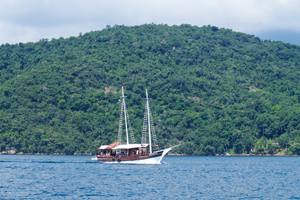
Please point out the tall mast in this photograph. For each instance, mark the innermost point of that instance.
(125, 113)
(148, 121)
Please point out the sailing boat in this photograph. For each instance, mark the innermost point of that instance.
(132, 153)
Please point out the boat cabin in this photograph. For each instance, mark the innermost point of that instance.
(122, 150)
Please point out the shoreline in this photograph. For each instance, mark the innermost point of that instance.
(237, 155)
(169, 154)
(53, 154)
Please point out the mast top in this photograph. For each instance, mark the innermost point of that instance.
(147, 95)
(122, 93)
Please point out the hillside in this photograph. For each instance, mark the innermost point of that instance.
(213, 90)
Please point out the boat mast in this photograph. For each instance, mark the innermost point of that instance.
(148, 121)
(125, 113)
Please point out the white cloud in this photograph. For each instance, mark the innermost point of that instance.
(31, 20)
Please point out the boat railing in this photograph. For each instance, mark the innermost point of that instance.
(104, 156)
(121, 155)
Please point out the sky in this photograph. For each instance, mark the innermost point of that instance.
(31, 20)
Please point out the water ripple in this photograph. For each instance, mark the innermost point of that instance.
(76, 177)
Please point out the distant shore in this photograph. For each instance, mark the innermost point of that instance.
(62, 154)
(250, 154)
(169, 154)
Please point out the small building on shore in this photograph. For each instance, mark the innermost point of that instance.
(9, 150)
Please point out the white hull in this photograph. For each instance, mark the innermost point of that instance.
(154, 160)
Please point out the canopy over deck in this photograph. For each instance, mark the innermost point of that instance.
(125, 146)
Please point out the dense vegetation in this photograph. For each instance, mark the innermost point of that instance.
(213, 90)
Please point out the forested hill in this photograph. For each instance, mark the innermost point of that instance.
(212, 89)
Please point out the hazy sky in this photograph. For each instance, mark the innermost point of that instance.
(30, 20)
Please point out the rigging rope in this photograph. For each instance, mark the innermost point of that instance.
(119, 139)
(129, 126)
(144, 126)
(153, 131)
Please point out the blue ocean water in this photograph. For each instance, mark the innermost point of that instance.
(187, 177)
